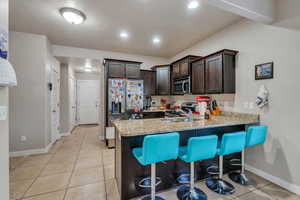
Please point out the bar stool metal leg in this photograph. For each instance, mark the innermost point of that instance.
(190, 192)
(219, 185)
(153, 185)
(241, 177)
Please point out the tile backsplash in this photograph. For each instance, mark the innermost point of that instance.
(225, 101)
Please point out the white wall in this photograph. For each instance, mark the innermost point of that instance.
(87, 76)
(66, 95)
(257, 44)
(30, 54)
(148, 61)
(4, 163)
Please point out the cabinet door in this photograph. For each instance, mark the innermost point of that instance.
(184, 68)
(176, 70)
(133, 71)
(116, 70)
(163, 80)
(198, 77)
(149, 82)
(214, 74)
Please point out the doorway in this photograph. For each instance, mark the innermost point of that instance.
(55, 109)
(88, 95)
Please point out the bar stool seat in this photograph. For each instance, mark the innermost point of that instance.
(231, 143)
(198, 149)
(255, 135)
(157, 148)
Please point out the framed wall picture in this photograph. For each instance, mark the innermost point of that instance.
(264, 71)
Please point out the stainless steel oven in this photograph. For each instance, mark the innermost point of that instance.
(182, 85)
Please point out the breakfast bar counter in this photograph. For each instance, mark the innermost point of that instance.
(132, 177)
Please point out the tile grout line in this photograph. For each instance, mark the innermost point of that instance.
(42, 169)
(73, 169)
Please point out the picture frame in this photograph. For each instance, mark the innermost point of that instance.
(264, 71)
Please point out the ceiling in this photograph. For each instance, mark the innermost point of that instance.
(78, 64)
(178, 27)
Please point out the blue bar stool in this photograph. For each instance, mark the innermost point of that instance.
(157, 148)
(256, 135)
(231, 143)
(198, 149)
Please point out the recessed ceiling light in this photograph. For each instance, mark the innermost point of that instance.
(72, 15)
(124, 35)
(193, 4)
(156, 40)
(88, 69)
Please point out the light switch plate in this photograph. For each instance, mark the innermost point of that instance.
(3, 113)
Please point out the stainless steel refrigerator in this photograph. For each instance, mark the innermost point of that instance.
(123, 95)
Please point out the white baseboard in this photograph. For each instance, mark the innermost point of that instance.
(65, 134)
(31, 151)
(278, 181)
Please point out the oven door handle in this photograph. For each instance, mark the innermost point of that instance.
(183, 82)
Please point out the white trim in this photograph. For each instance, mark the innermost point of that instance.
(31, 151)
(278, 181)
(101, 137)
(65, 134)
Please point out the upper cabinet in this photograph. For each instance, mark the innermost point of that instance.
(181, 67)
(132, 70)
(149, 78)
(115, 69)
(214, 73)
(198, 77)
(162, 79)
(122, 69)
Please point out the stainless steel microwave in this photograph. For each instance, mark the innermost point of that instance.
(182, 85)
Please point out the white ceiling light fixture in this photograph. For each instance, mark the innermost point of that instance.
(124, 35)
(156, 40)
(72, 15)
(193, 4)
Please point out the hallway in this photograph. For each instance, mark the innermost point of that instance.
(78, 167)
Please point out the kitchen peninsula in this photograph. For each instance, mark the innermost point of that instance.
(132, 177)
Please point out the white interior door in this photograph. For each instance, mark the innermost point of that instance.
(88, 101)
(55, 110)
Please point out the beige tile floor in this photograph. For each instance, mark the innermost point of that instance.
(80, 167)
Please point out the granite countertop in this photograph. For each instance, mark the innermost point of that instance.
(127, 128)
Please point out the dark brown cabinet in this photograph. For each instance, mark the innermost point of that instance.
(149, 78)
(132, 71)
(214, 74)
(116, 69)
(122, 69)
(181, 67)
(198, 77)
(162, 79)
(220, 72)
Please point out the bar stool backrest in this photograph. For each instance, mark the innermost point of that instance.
(232, 143)
(256, 135)
(161, 147)
(202, 148)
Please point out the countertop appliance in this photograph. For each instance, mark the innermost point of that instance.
(186, 106)
(123, 95)
(182, 85)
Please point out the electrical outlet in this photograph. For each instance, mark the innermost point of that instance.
(3, 113)
(23, 138)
